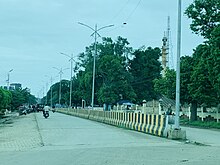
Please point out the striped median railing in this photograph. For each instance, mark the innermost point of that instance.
(147, 123)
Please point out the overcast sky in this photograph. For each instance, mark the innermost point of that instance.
(34, 32)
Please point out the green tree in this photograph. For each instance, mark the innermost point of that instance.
(145, 67)
(166, 85)
(5, 99)
(204, 78)
(55, 93)
(213, 60)
(205, 16)
(201, 88)
(18, 99)
(114, 80)
(118, 49)
(186, 70)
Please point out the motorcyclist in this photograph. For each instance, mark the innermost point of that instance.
(46, 109)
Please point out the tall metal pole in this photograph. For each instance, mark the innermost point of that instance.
(94, 60)
(176, 126)
(95, 32)
(71, 83)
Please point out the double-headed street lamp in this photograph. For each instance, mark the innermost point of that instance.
(95, 32)
(71, 59)
(60, 73)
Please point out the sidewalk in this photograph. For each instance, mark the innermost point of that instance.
(201, 136)
(19, 133)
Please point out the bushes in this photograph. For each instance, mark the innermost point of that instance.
(5, 100)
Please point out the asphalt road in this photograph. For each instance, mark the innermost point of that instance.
(67, 140)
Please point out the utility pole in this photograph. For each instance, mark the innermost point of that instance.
(178, 67)
(95, 32)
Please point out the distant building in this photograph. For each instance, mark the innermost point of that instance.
(14, 86)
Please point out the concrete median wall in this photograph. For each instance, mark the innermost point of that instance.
(147, 123)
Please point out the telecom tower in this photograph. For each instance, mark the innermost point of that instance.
(164, 55)
(167, 59)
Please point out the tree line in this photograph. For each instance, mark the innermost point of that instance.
(11, 100)
(135, 75)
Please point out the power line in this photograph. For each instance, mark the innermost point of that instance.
(128, 17)
(132, 12)
(120, 11)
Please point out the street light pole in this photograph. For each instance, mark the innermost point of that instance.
(176, 126)
(71, 75)
(95, 32)
(8, 81)
(94, 60)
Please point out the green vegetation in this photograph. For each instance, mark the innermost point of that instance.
(5, 100)
(200, 124)
(11, 100)
(200, 76)
(121, 73)
(125, 73)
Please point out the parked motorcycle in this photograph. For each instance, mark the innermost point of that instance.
(46, 114)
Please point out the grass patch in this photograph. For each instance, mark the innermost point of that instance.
(200, 124)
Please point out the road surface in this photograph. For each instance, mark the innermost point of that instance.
(67, 140)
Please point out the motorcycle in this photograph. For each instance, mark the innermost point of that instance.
(46, 114)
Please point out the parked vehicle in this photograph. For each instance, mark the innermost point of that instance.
(40, 107)
(22, 110)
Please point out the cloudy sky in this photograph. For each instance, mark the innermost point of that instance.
(34, 32)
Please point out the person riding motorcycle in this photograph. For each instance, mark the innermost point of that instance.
(46, 111)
